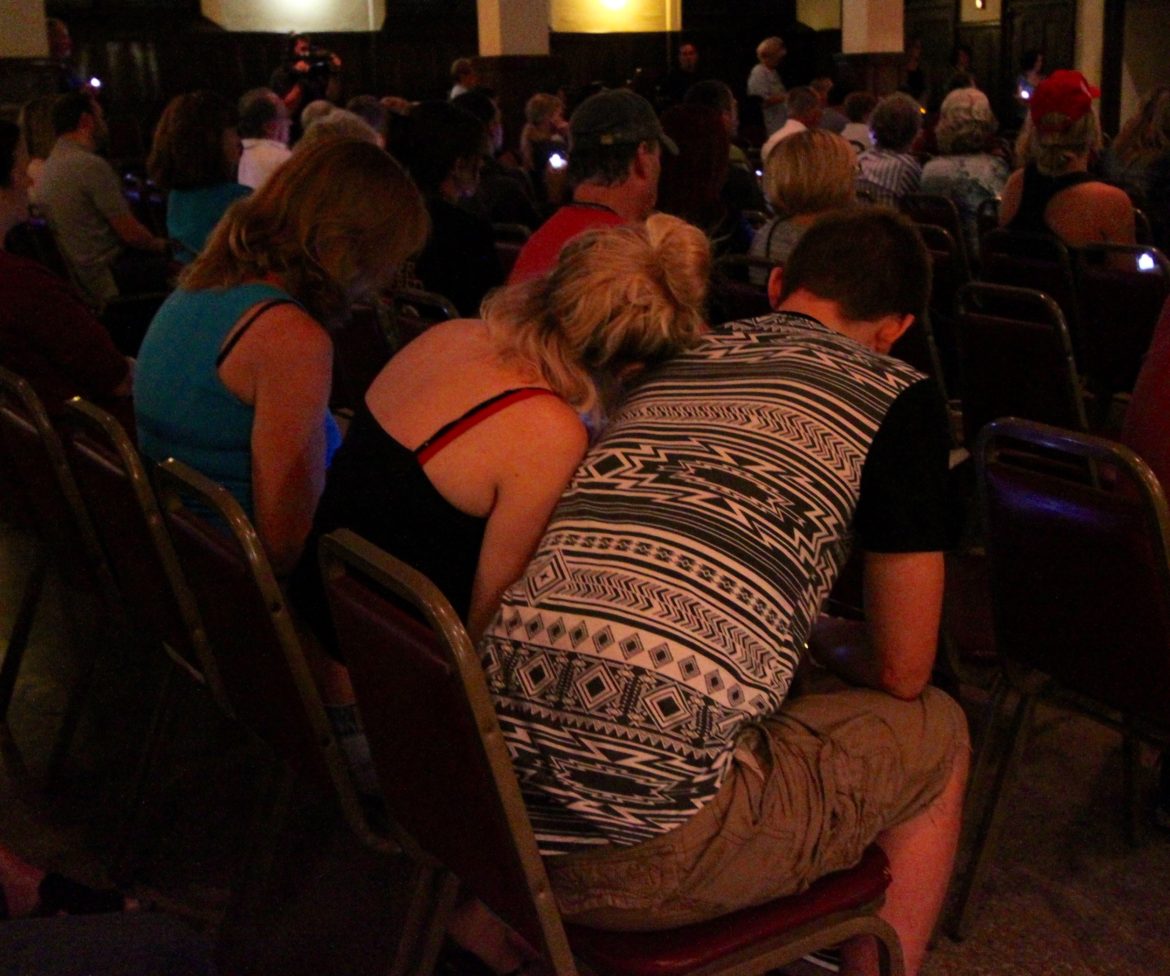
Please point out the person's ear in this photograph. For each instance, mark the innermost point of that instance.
(889, 330)
(642, 167)
(775, 285)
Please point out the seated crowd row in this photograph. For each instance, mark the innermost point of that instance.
(637, 515)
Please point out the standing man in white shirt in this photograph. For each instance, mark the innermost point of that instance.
(264, 130)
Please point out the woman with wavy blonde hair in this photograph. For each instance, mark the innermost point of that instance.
(234, 374)
(469, 434)
(1139, 159)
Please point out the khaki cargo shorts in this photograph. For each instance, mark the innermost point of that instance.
(809, 789)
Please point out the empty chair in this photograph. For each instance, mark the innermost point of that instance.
(35, 463)
(935, 210)
(1122, 288)
(257, 653)
(1017, 359)
(443, 766)
(1038, 261)
(1080, 583)
(949, 271)
(118, 496)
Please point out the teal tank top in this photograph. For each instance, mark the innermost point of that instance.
(182, 408)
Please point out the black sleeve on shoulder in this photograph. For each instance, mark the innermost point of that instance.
(903, 504)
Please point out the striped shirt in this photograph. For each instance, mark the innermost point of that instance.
(885, 176)
(669, 600)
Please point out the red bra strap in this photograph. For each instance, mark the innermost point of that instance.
(476, 415)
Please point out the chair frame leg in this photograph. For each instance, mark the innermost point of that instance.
(22, 629)
(988, 826)
(436, 891)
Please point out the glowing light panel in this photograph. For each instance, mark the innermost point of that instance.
(614, 16)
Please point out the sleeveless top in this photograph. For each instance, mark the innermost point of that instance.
(378, 488)
(182, 408)
(1037, 193)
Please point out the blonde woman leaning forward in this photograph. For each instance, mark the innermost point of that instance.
(469, 435)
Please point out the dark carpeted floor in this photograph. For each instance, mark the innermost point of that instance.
(1066, 894)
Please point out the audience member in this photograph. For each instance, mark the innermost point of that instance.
(316, 109)
(832, 116)
(543, 136)
(444, 148)
(887, 172)
(1031, 74)
(61, 50)
(1146, 429)
(765, 85)
(966, 172)
(693, 551)
(614, 166)
(337, 123)
(674, 86)
(1139, 160)
(916, 84)
(742, 189)
(807, 176)
(692, 183)
(307, 74)
(194, 156)
(504, 194)
(463, 77)
(369, 109)
(961, 68)
(804, 112)
(1054, 193)
(468, 436)
(47, 335)
(36, 125)
(264, 130)
(859, 106)
(234, 374)
(81, 196)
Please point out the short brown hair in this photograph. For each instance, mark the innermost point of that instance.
(333, 223)
(869, 260)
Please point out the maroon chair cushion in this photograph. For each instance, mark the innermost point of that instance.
(682, 950)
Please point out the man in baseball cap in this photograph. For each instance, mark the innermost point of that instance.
(616, 143)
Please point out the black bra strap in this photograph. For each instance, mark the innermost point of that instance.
(238, 334)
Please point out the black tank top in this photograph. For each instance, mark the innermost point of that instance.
(1036, 194)
(378, 488)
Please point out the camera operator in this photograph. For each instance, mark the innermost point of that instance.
(307, 74)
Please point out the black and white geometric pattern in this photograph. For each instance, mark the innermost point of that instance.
(669, 599)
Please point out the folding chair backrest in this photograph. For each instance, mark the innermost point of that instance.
(1037, 261)
(949, 271)
(936, 210)
(440, 756)
(415, 311)
(257, 653)
(51, 501)
(1080, 572)
(1016, 359)
(361, 347)
(987, 216)
(1122, 290)
(120, 500)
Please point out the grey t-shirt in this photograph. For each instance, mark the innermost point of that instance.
(80, 194)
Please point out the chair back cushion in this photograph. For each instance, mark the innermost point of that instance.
(1080, 568)
(437, 748)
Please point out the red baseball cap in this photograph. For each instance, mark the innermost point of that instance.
(1064, 93)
